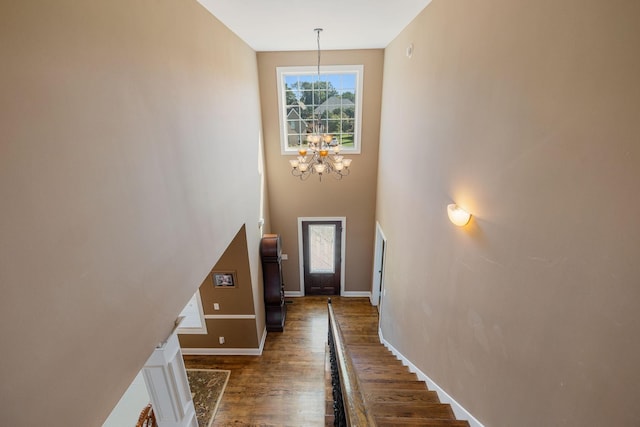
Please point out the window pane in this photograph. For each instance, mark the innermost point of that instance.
(291, 82)
(293, 112)
(349, 81)
(321, 248)
(295, 140)
(306, 80)
(294, 126)
(292, 98)
(348, 125)
(346, 139)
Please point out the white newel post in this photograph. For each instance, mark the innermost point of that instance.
(168, 387)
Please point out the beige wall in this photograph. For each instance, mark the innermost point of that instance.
(353, 197)
(120, 122)
(236, 300)
(527, 114)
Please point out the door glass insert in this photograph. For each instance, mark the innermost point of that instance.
(321, 248)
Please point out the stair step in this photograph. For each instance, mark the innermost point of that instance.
(362, 338)
(359, 323)
(383, 364)
(375, 355)
(438, 411)
(363, 347)
(418, 422)
(372, 385)
(329, 421)
(366, 348)
(359, 328)
(377, 359)
(390, 373)
(404, 396)
(372, 317)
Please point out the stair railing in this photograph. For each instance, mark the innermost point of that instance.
(348, 402)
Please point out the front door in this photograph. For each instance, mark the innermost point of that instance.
(322, 242)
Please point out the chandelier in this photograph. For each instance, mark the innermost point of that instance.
(321, 154)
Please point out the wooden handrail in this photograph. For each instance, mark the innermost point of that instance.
(353, 404)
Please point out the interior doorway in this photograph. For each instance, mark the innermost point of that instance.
(321, 255)
(377, 287)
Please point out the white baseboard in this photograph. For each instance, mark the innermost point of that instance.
(227, 351)
(293, 294)
(262, 340)
(349, 294)
(458, 410)
(356, 294)
(373, 303)
(221, 351)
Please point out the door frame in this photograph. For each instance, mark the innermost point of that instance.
(343, 245)
(379, 256)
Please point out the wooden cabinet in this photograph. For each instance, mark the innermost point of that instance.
(275, 308)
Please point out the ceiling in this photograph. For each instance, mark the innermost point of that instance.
(279, 25)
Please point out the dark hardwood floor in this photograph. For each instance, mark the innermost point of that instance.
(286, 385)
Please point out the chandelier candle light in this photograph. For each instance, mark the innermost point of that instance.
(321, 155)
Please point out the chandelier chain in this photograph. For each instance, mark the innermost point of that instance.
(317, 30)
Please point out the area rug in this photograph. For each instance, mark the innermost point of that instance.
(207, 387)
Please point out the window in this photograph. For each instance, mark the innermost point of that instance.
(193, 322)
(334, 100)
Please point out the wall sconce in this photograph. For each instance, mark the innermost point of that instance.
(457, 215)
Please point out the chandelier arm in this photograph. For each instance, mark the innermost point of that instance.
(300, 174)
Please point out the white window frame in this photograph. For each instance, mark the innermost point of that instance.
(281, 72)
(195, 330)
